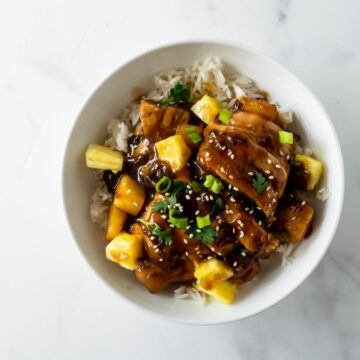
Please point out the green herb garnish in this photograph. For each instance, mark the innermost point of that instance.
(179, 94)
(219, 204)
(196, 186)
(259, 183)
(160, 206)
(178, 186)
(206, 235)
(164, 235)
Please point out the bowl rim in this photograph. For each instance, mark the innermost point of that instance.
(340, 177)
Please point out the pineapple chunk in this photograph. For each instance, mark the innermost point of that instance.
(211, 272)
(260, 107)
(129, 196)
(125, 249)
(103, 158)
(116, 222)
(207, 108)
(173, 150)
(223, 291)
(314, 169)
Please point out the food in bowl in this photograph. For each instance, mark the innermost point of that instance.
(200, 181)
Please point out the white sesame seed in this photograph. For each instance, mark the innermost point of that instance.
(267, 172)
(135, 203)
(223, 148)
(191, 236)
(233, 230)
(161, 259)
(235, 263)
(230, 186)
(278, 166)
(172, 225)
(260, 222)
(236, 189)
(251, 211)
(243, 253)
(231, 211)
(198, 230)
(222, 169)
(186, 253)
(281, 153)
(287, 157)
(157, 250)
(250, 173)
(268, 188)
(207, 154)
(163, 216)
(231, 177)
(271, 177)
(167, 194)
(128, 191)
(190, 192)
(232, 156)
(185, 241)
(274, 200)
(187, 197)
(303, 203)
(209, 257)
(293, 218)
(197, 212)
(242, 234)
(211, 197)
(232, 199)
(198, 198)
(269, 161)
(247, 209)
(217, 228)
(152, 237)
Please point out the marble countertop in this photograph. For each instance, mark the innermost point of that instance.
(53, 54)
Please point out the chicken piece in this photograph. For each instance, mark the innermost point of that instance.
(235, 154)
(245, 270)
(294, 219)
(248, 232)
(258, 106)
(159, 123)
(156, 277)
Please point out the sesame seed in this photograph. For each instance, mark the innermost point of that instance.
(293, 218)
(223, 148)
(135, 203)
(250, 173)
(217, 228)
(231, 211)
(128, 191)
(247, 209)
(260, 222)
(281, 153)
(190, 192)
(242, 234)
(198, 198)
(277, 166)
(232, 199)
(198, 230)
(163, 216)
(251, 211)
(236, 189)
(187, 197)
(235, 263)
(186, 253)
(243, 253)
(303, 203)
(185, 241)
(152, 237)
(269, 161)
(211, 197)
(230, 186)
(222, 169)
(268, 188)
(267, 172)
(232, 156)
(287, 157)
(161, 259)
(191, 236)
(209, 257)
(231, 177)
(207, 154)
(197, 212)
(172, 225)
(157, 250)
(233, 230)
(274, 200)
(167, 194)
(271, 177)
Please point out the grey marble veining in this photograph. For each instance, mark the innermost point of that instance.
(53, 54)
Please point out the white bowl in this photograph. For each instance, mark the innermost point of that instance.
(275, 282)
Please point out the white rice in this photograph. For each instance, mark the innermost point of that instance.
(323, 194)
(286, 250)
(189, 292)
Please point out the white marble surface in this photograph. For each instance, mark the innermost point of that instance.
(53, 54)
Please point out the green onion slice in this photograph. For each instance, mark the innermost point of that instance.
(286, 137)
(225, 115)
(209, 180)
(203, 221)
(163, 185)
(195, 137)
(216, 187)
(180, 223)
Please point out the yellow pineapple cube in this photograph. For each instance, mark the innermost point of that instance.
(125, 249)
(173, 150)
(129, 196)
(223, 291)
(116, 221)
(210, 272)
(207, 108)
(314, 169)
(103, 158)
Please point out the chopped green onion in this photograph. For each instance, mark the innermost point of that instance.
(178, 186)
(203, 221)
(225, 115)
(216, 187)
(180, 223)
(195, 137)
(209, 181)
(163, 185)
(286, 137)
(196, 186)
